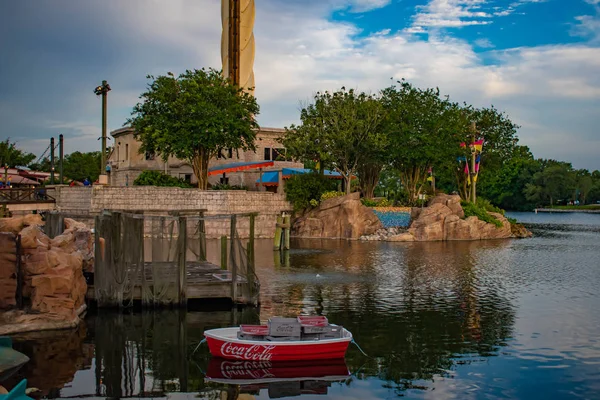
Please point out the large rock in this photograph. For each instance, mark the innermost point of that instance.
(16, 224)
(340, 217)
(444, 219)
(52, 271)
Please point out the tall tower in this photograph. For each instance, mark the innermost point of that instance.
(237, 42)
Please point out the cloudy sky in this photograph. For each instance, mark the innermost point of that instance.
(538, 60)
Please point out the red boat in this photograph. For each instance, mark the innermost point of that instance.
(282, 340)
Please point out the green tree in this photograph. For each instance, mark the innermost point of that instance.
(584, 184)
(424, 131)
(78, 166)
(341, 130)
(193, 117)
(505, 185)
(555, 181)
(12, 157)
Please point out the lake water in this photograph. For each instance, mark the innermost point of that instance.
(512, 319)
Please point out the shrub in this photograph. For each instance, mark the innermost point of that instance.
(157, 178)
(384, 203)
(331, 195)
(368, 202)
(474, 210)
(224, 186)
(301, 189)
(314, 202)
(488, 206)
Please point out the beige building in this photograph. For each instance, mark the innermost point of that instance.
(126, 163)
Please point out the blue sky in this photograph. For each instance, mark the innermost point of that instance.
(538, 60)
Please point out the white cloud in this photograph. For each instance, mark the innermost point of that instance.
(300, 51)
(484, 43)
(358, 6)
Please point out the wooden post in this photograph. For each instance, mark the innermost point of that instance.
(182, 276)
(202, 237)
(232, 260)
(277, 243)
(224, 252)
(286, 231)
(251, 242)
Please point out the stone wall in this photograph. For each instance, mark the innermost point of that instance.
(86, 201)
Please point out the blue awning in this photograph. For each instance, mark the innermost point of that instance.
(295, 171)
(270, 178)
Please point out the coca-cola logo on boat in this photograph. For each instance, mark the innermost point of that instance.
(246, 369)
(255, 352)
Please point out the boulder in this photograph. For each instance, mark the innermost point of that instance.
(16, 224)
(340, 217)
(519, 231)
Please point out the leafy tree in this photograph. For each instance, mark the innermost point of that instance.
(341, 130)
(584, 184)
(12, 157)
(505, 185)
(423, 130)
(555, 181)
(193, 117)
(79, 166)
(43, 165)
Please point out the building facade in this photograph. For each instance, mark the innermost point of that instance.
(126, 162)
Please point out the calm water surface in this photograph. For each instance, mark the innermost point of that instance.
(471, 320)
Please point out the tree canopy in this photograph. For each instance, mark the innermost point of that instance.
(194, 116)
(340, 130)
(12, 157)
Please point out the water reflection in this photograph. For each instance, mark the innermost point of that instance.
(511, 318)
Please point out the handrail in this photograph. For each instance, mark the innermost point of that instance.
(26, 195)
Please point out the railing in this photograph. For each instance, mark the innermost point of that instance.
(27, 195)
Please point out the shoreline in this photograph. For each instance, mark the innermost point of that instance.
(557, 210)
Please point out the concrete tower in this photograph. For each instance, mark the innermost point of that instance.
(237, 42)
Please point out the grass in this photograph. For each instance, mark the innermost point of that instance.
(586, 207)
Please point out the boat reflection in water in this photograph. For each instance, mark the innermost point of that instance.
(280, 378)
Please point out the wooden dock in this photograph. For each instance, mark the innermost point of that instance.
(204, 281)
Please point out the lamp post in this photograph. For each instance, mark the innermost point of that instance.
(103, 90)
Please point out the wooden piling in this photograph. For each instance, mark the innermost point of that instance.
(234, 270)
(182, 276)
(251, 242)
(224, 252)
(286, 232)
(278, 232)
(202, 237)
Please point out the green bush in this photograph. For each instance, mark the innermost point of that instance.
(157, 178)
(224, 186)
(369, 202)
(301, 189)
(384, 203)
(474, 210)
(314, 202)
(488, 206)
(331, 195)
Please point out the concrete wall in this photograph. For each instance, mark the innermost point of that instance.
(85, 201)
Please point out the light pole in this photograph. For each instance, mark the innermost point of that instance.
(103, 91)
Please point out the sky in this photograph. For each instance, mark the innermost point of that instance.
(536, 60)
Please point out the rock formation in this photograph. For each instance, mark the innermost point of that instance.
(52, 274)
(444, 219)
(340, 217)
